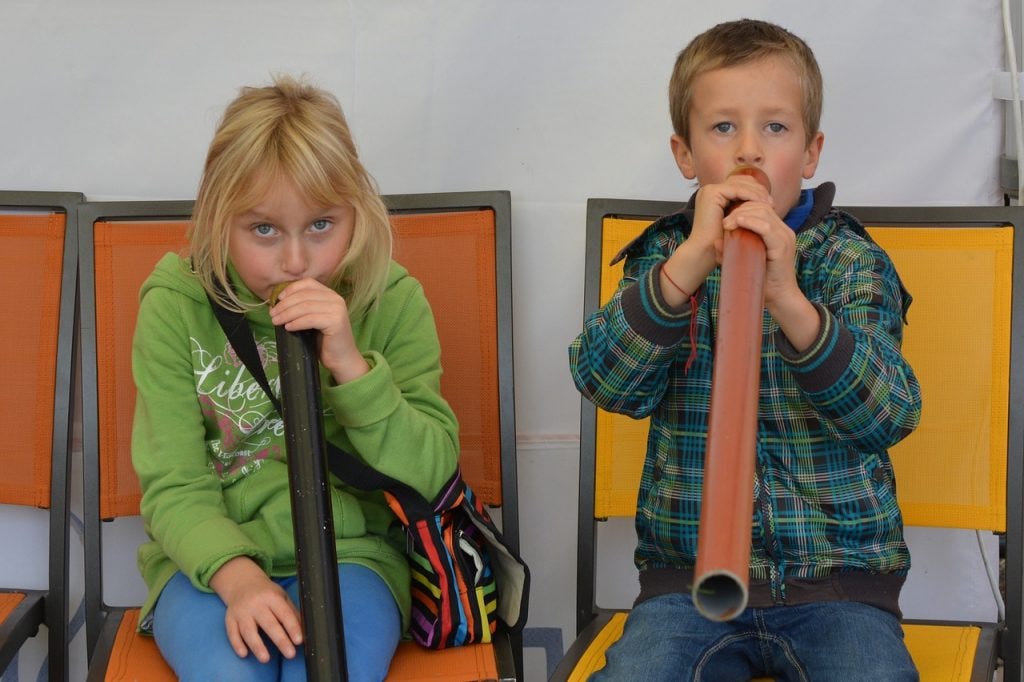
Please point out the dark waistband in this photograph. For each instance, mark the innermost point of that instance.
(881, 590)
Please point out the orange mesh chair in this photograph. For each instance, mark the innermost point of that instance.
(962, 467)
(38, 272)
(119, 244)
(457, 245)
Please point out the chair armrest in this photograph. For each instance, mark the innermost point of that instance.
(587, 637)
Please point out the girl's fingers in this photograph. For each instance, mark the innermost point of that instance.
(235, 639)
(271, 627)
(288, 628)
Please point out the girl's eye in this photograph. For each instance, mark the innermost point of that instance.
(263, 229)
(321, 225)
(723, 127)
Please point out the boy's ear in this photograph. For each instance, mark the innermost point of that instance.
(684, 159)
(813, 155)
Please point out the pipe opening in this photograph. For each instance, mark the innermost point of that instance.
(719, 596)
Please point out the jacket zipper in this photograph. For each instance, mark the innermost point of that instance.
(764, 504)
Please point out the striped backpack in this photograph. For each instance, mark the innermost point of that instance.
(464, 575)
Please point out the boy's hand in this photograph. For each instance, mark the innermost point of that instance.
(308, 304)
(786, 303)
(255, 605)
(713, 200)
(779, 244)
(694, 259)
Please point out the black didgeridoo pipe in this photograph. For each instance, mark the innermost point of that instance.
(316, 557)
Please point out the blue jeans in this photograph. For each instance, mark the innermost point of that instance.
(665, 638)
(189, 629)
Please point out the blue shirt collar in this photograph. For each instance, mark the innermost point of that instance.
(798, 214)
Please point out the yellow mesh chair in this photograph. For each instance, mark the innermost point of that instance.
(38, 277)
(960, 469)
(612, 446)
(457, 245)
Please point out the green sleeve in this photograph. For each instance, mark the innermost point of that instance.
(182, 501)
(394, 416)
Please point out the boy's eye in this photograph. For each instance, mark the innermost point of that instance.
(723, 127)
(321, 225)
(263, 229)
(776, 127)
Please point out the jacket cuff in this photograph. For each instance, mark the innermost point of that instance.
(210, 545)
(824, 362)
(650, 316)
(368, 399)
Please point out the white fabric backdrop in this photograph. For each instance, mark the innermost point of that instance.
(554, 101)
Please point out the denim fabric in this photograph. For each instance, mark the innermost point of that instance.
(189, 628)
(665, 638)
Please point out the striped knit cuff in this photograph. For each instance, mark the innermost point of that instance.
(824, 362)
(650, 316)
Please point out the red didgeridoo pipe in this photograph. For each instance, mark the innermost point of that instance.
(722, 573)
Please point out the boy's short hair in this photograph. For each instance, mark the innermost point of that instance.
(735, 43)
(288, 129)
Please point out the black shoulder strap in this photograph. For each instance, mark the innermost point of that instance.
(239, 334)
(343, 464)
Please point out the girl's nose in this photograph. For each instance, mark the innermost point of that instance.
(294, 259)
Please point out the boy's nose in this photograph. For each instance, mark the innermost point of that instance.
(748, 150)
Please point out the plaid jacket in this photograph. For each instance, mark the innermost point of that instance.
(824, 493)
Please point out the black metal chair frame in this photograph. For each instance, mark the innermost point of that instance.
(50, 606)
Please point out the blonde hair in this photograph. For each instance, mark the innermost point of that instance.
(735, 43)
(292, 129)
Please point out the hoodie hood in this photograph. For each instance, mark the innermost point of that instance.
(174, 272)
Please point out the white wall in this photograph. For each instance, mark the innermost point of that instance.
(554, 101)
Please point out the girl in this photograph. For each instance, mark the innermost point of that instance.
(283, 198)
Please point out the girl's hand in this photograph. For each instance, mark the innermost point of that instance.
(256, 604)
(308, 304)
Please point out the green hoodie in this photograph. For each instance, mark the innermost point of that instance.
(209, 450)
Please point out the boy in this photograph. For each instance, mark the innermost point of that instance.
(828, 557)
